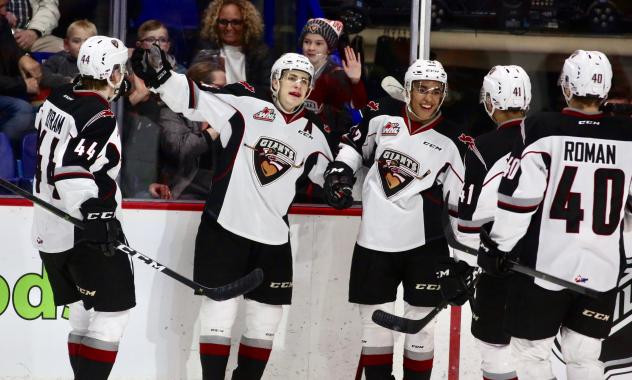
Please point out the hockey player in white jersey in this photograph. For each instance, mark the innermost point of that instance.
(269, 142)
(414, 156)
(78, 161)
(564, 194)
(505, 94)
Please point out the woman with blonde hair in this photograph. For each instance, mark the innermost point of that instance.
(235, 27)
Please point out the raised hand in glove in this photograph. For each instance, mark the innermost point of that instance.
(102, 229)
(339, 185)
(491, 259)
(152, 66)
(456, 280)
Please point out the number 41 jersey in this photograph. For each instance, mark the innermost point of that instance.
(78, 157)
(568, 187)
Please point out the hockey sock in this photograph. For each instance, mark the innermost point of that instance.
(74, 342)
(95, 360)
(377, 363)
(252, 360)
(214, 351)
(417, 365)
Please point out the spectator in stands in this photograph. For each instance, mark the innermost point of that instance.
(235, 28)
(32, 22)
(19, 78)
(152, 32)
(187, 147)
(61, 68)
(141, 134)
(337, 89)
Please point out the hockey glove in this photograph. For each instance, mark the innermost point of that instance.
(339, 185)
(456, 280)
(152, 66)
(102, 230)
(491, 259)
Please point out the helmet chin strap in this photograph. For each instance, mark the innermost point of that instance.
(568, 97)
(116, 87)
(277, 102)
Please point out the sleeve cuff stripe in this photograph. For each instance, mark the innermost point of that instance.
(514, 208)
(468, 229)
(71, 175)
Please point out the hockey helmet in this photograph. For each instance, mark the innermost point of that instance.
(291, 61)
(506, 88)
(424, 69)
(99, 56)
(586, 73)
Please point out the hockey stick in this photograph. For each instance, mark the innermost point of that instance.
(234, 289)
(405, 325)
(393, 88)
(513, 265)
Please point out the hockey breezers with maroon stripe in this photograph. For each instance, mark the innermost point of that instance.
(413, 326)
(234, 289)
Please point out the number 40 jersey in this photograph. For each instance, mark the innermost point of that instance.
(78, 157)
(567, 190)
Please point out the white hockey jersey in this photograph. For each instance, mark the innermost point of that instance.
(406, 159)
(565, 190)
(485, 164)
(265, 153)
(78, 157)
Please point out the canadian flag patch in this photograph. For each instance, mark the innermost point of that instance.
(266, 114)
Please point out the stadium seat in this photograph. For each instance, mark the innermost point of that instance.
(29, 157)
(7, 162)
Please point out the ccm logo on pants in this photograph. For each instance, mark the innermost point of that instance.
(427, 287)
(282, 285)
(594, 314)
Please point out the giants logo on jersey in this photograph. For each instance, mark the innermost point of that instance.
(397, 171)
(390, 129)
(272, 158)
(266, 114)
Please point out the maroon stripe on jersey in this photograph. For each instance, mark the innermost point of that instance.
(71, 175)
(214, 349)
(256, 353)
(468, 230)
(514, 208)
(492, 178)
(73, 349)
(418, 365)
(368, 360)
(192, 100)
(97, 355)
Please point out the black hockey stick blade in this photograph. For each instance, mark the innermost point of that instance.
(405, 325)
(240, 286)
(513, 265)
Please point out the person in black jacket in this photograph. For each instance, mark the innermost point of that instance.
(19, 78)
(234, 27)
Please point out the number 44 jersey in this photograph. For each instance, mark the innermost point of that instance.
(78, 157)
(567, 190)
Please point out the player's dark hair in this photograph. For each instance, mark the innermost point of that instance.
(89, 83)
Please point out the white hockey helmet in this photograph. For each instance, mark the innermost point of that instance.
(425, 69)
(291, 61)
(99, 56)
(586, 73)
(506, 88)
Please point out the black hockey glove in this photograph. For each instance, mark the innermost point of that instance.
(102, 230)
(152, 66)
(338, 187)
(456, 280)
(491, 259)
